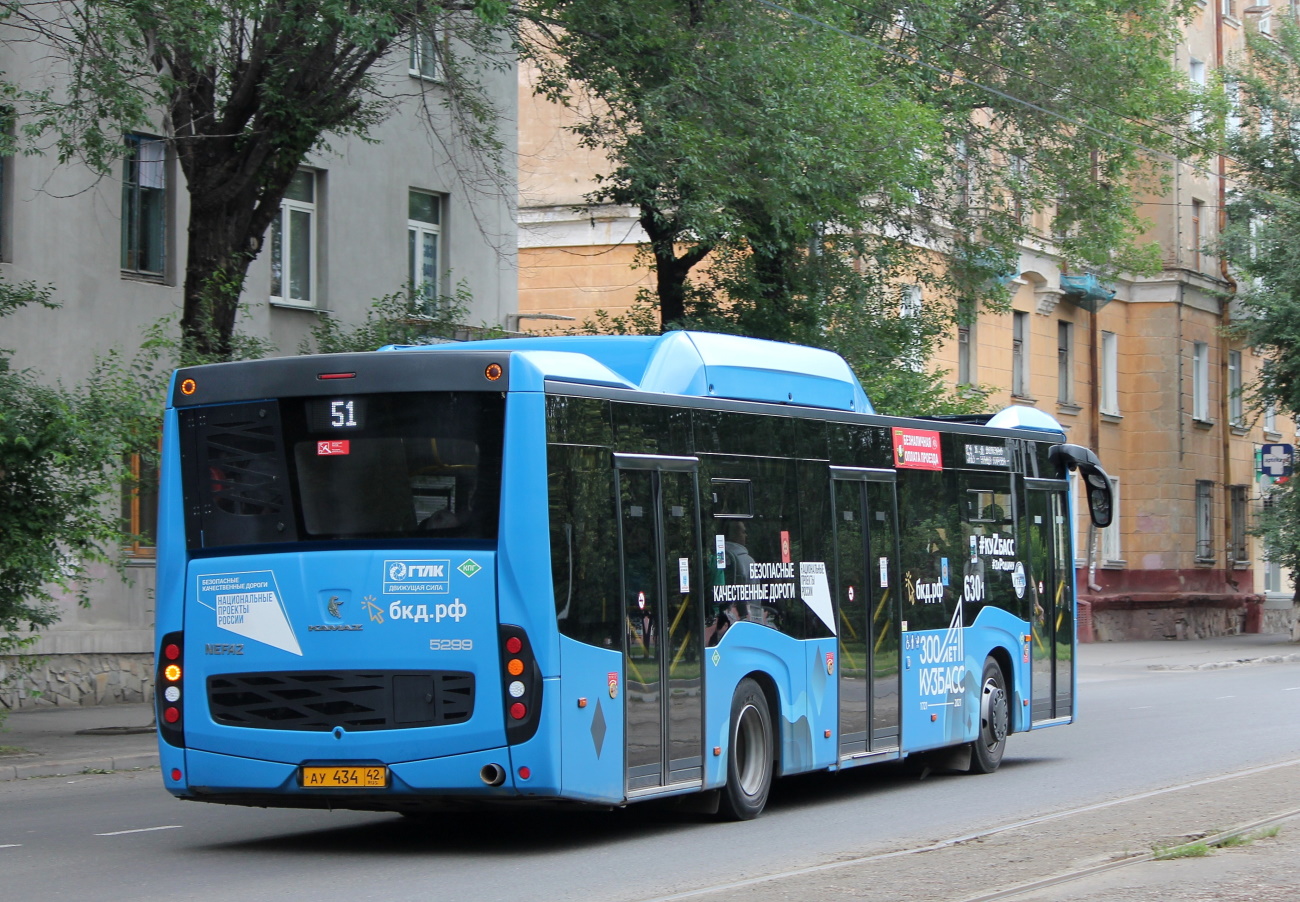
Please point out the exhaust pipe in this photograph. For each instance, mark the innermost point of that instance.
(492, 774)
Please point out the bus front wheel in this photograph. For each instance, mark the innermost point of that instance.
(994, 717)
(749, 757)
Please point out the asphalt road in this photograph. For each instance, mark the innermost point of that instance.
(120, 836)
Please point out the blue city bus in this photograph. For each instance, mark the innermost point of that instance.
(597, 570)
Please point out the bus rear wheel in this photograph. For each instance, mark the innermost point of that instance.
(749, 756)
(994, 718)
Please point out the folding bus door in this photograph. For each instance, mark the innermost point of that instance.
(1051, 592)
(866, 605)
(663, 621)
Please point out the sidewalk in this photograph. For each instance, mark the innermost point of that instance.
(54, 740)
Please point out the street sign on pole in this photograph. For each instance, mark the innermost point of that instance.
(1275, 460)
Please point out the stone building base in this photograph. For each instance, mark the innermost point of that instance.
(83, 679)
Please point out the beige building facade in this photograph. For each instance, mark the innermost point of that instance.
(1140, 369)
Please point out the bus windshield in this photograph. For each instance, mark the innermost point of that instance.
(397, 465)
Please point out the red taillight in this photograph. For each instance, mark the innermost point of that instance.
(171, 715)
(524, 773)
(171, 651)
(513, 645)
(176, 773)
(171, 670)
(521, 685)
(517, 711)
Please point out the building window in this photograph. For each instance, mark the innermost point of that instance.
(1196, 74)
(1238, 496)
(1109, 373)
(293, 243)
(1204, 520)
(1065, 362)
(967, 368)
(1270, 417)
(1020, 354)
(909, 307)
(1272, 576)
(426, 56)
(1198, 213)
(1229, 7)
(144, 195)
(1201, 381)
(140, 506)
(1110, 546)
(1236, 413)
(423, 239)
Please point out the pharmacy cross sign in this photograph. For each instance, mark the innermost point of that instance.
(1275, 460)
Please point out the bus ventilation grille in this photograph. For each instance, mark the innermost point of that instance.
(354, 700)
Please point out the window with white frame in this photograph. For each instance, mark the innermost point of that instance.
(1201, 381)
(910, 307)
(293, 243)
(1110, 544)
(426, 55)
(1272, 576)
(1229, 7)
(424, 244)
(1196, 74)
(1236, 409)
(1204, 520)
(1109, 374)
(1064, 362)
(1020, 353)
(144, 201)
(1270, 417)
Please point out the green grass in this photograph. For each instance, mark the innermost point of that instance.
(1198, 849)
(1201, 848)
(12, 750)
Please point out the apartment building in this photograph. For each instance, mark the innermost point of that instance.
(1139, 369)
(362, 219)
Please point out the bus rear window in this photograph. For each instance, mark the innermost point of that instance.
(398, 465)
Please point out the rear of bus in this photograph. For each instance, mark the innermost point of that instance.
(328, 627)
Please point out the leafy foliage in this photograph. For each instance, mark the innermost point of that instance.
(61, 456)
(806, 149)
(1260, 242)
(390, 321)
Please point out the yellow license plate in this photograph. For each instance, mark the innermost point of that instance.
(344, 777)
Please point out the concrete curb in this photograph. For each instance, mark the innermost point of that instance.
(77, 766)
(1222, 665)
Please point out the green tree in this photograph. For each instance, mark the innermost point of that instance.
(244, 89)
(807, 149)
(61, 460)
(1262, 135)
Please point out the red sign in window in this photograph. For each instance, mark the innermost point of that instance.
(336, 446)
(917, 449)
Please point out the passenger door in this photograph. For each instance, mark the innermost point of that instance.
(866, 605)
(663, 623)
(1051, 592)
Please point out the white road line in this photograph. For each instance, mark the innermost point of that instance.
(1222, 697)
(1292, 689)
(12, 845)
(1141, 707)
(141, 830)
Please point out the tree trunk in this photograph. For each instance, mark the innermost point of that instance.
(670, 270)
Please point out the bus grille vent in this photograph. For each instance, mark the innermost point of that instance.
(354, 700)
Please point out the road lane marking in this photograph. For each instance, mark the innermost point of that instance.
(1292, 689)
(12, 845)
(141, 830)
(1222, 697)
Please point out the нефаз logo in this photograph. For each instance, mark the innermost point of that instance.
(417, 577)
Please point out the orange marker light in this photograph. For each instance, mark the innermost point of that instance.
(189, 387)
(172, 672)
(493, 372)
(515, 667)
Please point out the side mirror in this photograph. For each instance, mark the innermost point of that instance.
(1101, 500)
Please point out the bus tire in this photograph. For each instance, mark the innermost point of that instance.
(749, 754)
(987, 749)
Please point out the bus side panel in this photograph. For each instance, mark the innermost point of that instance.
(592, 733)
(941, 679)
(823, 706)
(524, 594)
(748, 648)
(1000, 629)
(169, 614)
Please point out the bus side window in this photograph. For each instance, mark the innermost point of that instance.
(584, 544)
